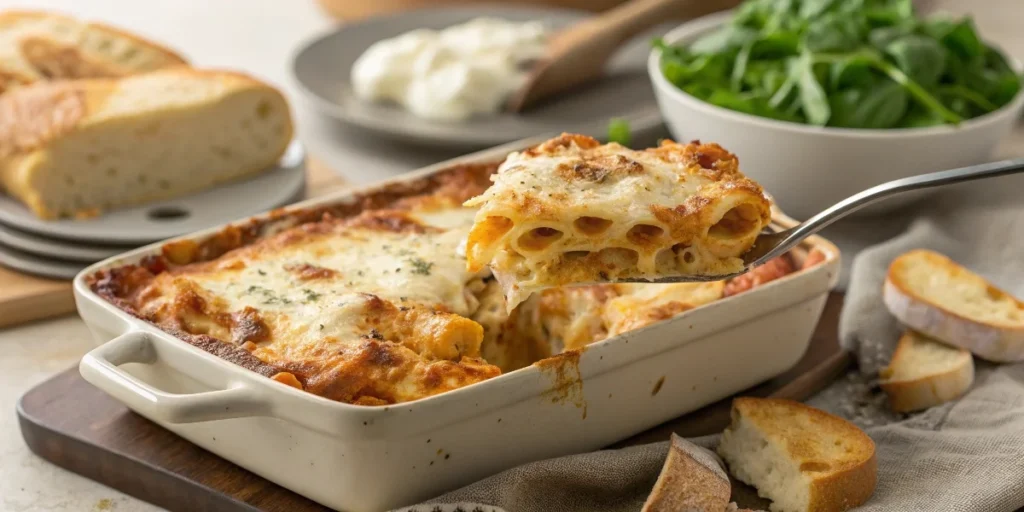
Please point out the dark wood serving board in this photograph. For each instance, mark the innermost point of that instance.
(72, 424)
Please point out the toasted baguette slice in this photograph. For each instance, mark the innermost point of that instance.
(924, 373)
(692, 480)
(935, 296)
(801, 458)
(38, 46)
(75, 148)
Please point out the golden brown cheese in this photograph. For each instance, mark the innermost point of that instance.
(371, 308)
(574, 211)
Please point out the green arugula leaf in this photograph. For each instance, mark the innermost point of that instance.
(921, 58)
(776, 45)
(812, 96)
(810, 9)
(881, 37)
(937, 26)
(772, 80)
(833, 33)
(888, 12)
(921, 118)
(855, 70)
(727, 38)
(739, 67)
(963, 40)
(881, 106)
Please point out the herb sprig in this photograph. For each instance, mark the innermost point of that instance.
(844, 63)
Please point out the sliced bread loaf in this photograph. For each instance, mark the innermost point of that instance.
(801, 458)
(934, 295)
(924, 373)
(692, 480)
(37, 46)
(76, 148)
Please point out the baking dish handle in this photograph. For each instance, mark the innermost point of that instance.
(101, 367)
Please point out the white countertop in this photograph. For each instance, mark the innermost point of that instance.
(258, 36)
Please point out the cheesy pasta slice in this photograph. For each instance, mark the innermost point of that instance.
(573, 211)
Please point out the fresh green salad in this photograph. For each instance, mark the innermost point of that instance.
(844, 63)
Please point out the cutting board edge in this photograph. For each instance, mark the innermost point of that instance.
(25, 308)
(128, 473)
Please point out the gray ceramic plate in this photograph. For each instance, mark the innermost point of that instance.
(37, 265)
(322, 68)
(166, 219)
(56, 248)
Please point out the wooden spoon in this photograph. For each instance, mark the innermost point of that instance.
(578, 54)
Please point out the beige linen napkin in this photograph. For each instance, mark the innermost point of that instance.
(605, 481)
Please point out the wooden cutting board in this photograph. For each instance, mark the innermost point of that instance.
(24, 297)
(76, 426)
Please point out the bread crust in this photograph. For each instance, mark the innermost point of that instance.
(11, 16)
(998, 343)
(838, 485)
(64, 55)
(35, 120)
(686, 484)
(928, 390)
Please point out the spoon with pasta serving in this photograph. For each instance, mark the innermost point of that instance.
(768, 244)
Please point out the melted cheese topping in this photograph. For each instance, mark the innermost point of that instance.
(327, 294)
(576, 316)
(574, 211)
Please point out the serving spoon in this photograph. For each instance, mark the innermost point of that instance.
(771, 244)
(578, 54)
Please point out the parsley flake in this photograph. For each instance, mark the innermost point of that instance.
(420, 266)
(268, 295)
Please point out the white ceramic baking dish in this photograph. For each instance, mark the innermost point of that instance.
(362, 459)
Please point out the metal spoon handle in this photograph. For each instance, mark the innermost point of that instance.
(877, 193)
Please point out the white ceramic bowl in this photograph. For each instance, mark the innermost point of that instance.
(808, 168)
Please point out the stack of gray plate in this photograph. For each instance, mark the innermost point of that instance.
(60, 249)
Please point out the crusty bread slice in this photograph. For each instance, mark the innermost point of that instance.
(935, 296)
(924, 373)
(75, 148)
(38, 46)
(801, 458)
(692, 480)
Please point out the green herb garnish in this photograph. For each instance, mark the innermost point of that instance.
(619, 131)
(421, 267)
(844, 63)
(268, 295)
